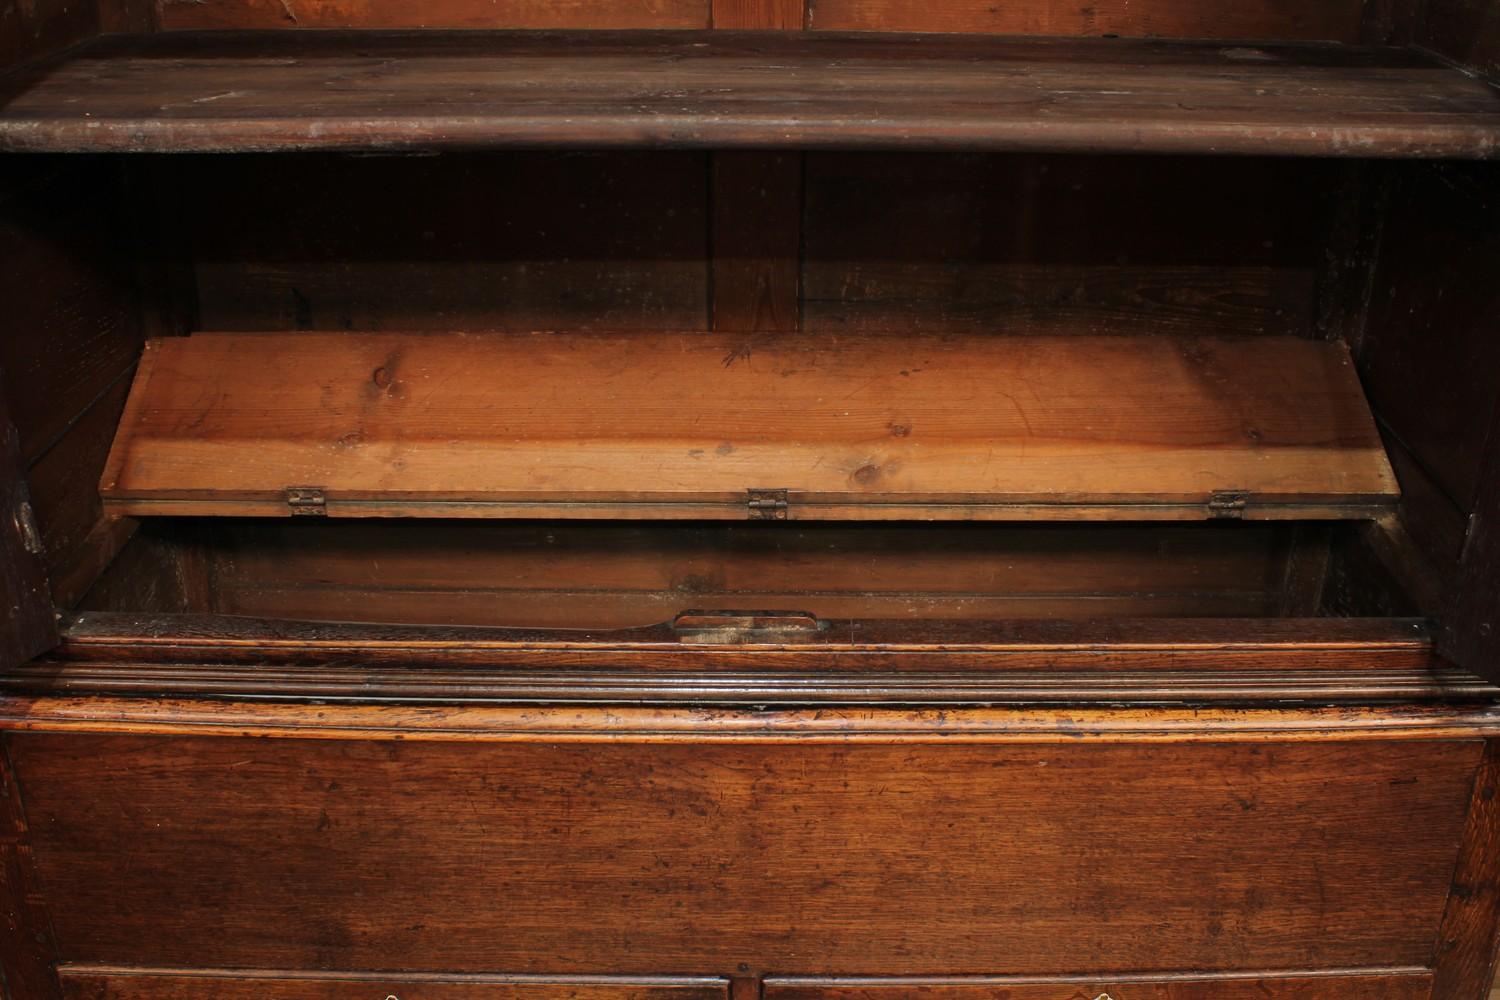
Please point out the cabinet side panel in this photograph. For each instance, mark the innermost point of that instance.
(800, 858)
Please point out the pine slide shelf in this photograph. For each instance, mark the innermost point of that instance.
(736, 426)
(329, 90)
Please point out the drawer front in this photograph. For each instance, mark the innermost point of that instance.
(125, 984)
(1398, 986)
(686, 858)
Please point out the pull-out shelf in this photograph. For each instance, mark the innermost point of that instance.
(715, 426)
(265, 91)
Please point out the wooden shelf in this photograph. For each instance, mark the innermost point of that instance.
(265, 91)
(705, 425)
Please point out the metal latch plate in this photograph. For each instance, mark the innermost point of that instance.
(307, 501)
(1228, 505)
(767, 505)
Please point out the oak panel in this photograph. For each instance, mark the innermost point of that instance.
(807, 857)
(1335, 20)
(529, 241)
(1407, 985)
(468, 14)
(867, 427)
(1065, 244)
(96, 983)
(264, 91)
(599, 575)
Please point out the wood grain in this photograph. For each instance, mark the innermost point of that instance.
(586, 574)
(697, 724)
(807, 858)
(27, 949)
(520, 241)
(764, 14)
(211, 92)
(844, 662)
(757, 241)
(1464, 960)
(28, 625)
(873, 427)
(1396, 985)
(182, 15)
(123, 983)
(933, 243)
(1337, 20)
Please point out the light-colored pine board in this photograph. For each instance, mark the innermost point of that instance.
(280, 90)
(683, 425)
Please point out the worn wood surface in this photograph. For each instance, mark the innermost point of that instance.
(807, 858)
(1333, 20)
(81, 982)
(719, 661)
(210, 91)
(27, 950)
(32, 29)
(28, 624)
(587, 574)
(1394, 985)
(757, 241)
(1066, 244)
(467, 14)
(1464, 960)
(867, 427)
(528, 241)
(758, 14)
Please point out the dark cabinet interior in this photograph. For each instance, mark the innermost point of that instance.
(650, 393)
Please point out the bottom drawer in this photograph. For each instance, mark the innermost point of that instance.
(1414, 985)
(148, 984)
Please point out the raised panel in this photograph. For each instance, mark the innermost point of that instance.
(86, 983)
(1411, 985)
(811, 858)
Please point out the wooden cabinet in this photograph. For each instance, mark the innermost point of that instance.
(704, 498)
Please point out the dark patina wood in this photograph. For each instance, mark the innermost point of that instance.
(212, 91)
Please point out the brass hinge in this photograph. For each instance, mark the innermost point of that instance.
(307, 501)
(1228, 505)
(767, 505)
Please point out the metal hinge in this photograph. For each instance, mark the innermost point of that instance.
(307, 501)
(766, 505)
(1228, 505)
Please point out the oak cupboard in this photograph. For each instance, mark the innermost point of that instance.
(689, 499)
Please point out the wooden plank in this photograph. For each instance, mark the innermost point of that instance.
(869, 426)
(855, 725)
(468, 14)
(212, 91)
(1065, 244)
(586, 574)
(29, 624)
(1199, 660)
(27, 950)
(1428, 355)
(1334, 20)
(757, 241)
(767, 14)
(32, 29)
(72, 308)
(811, 858)
(82, 982)
(1375, 985)
(1226, 645)
(1464, 959)
(520, 241)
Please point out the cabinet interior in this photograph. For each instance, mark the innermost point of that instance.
(534, 389)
